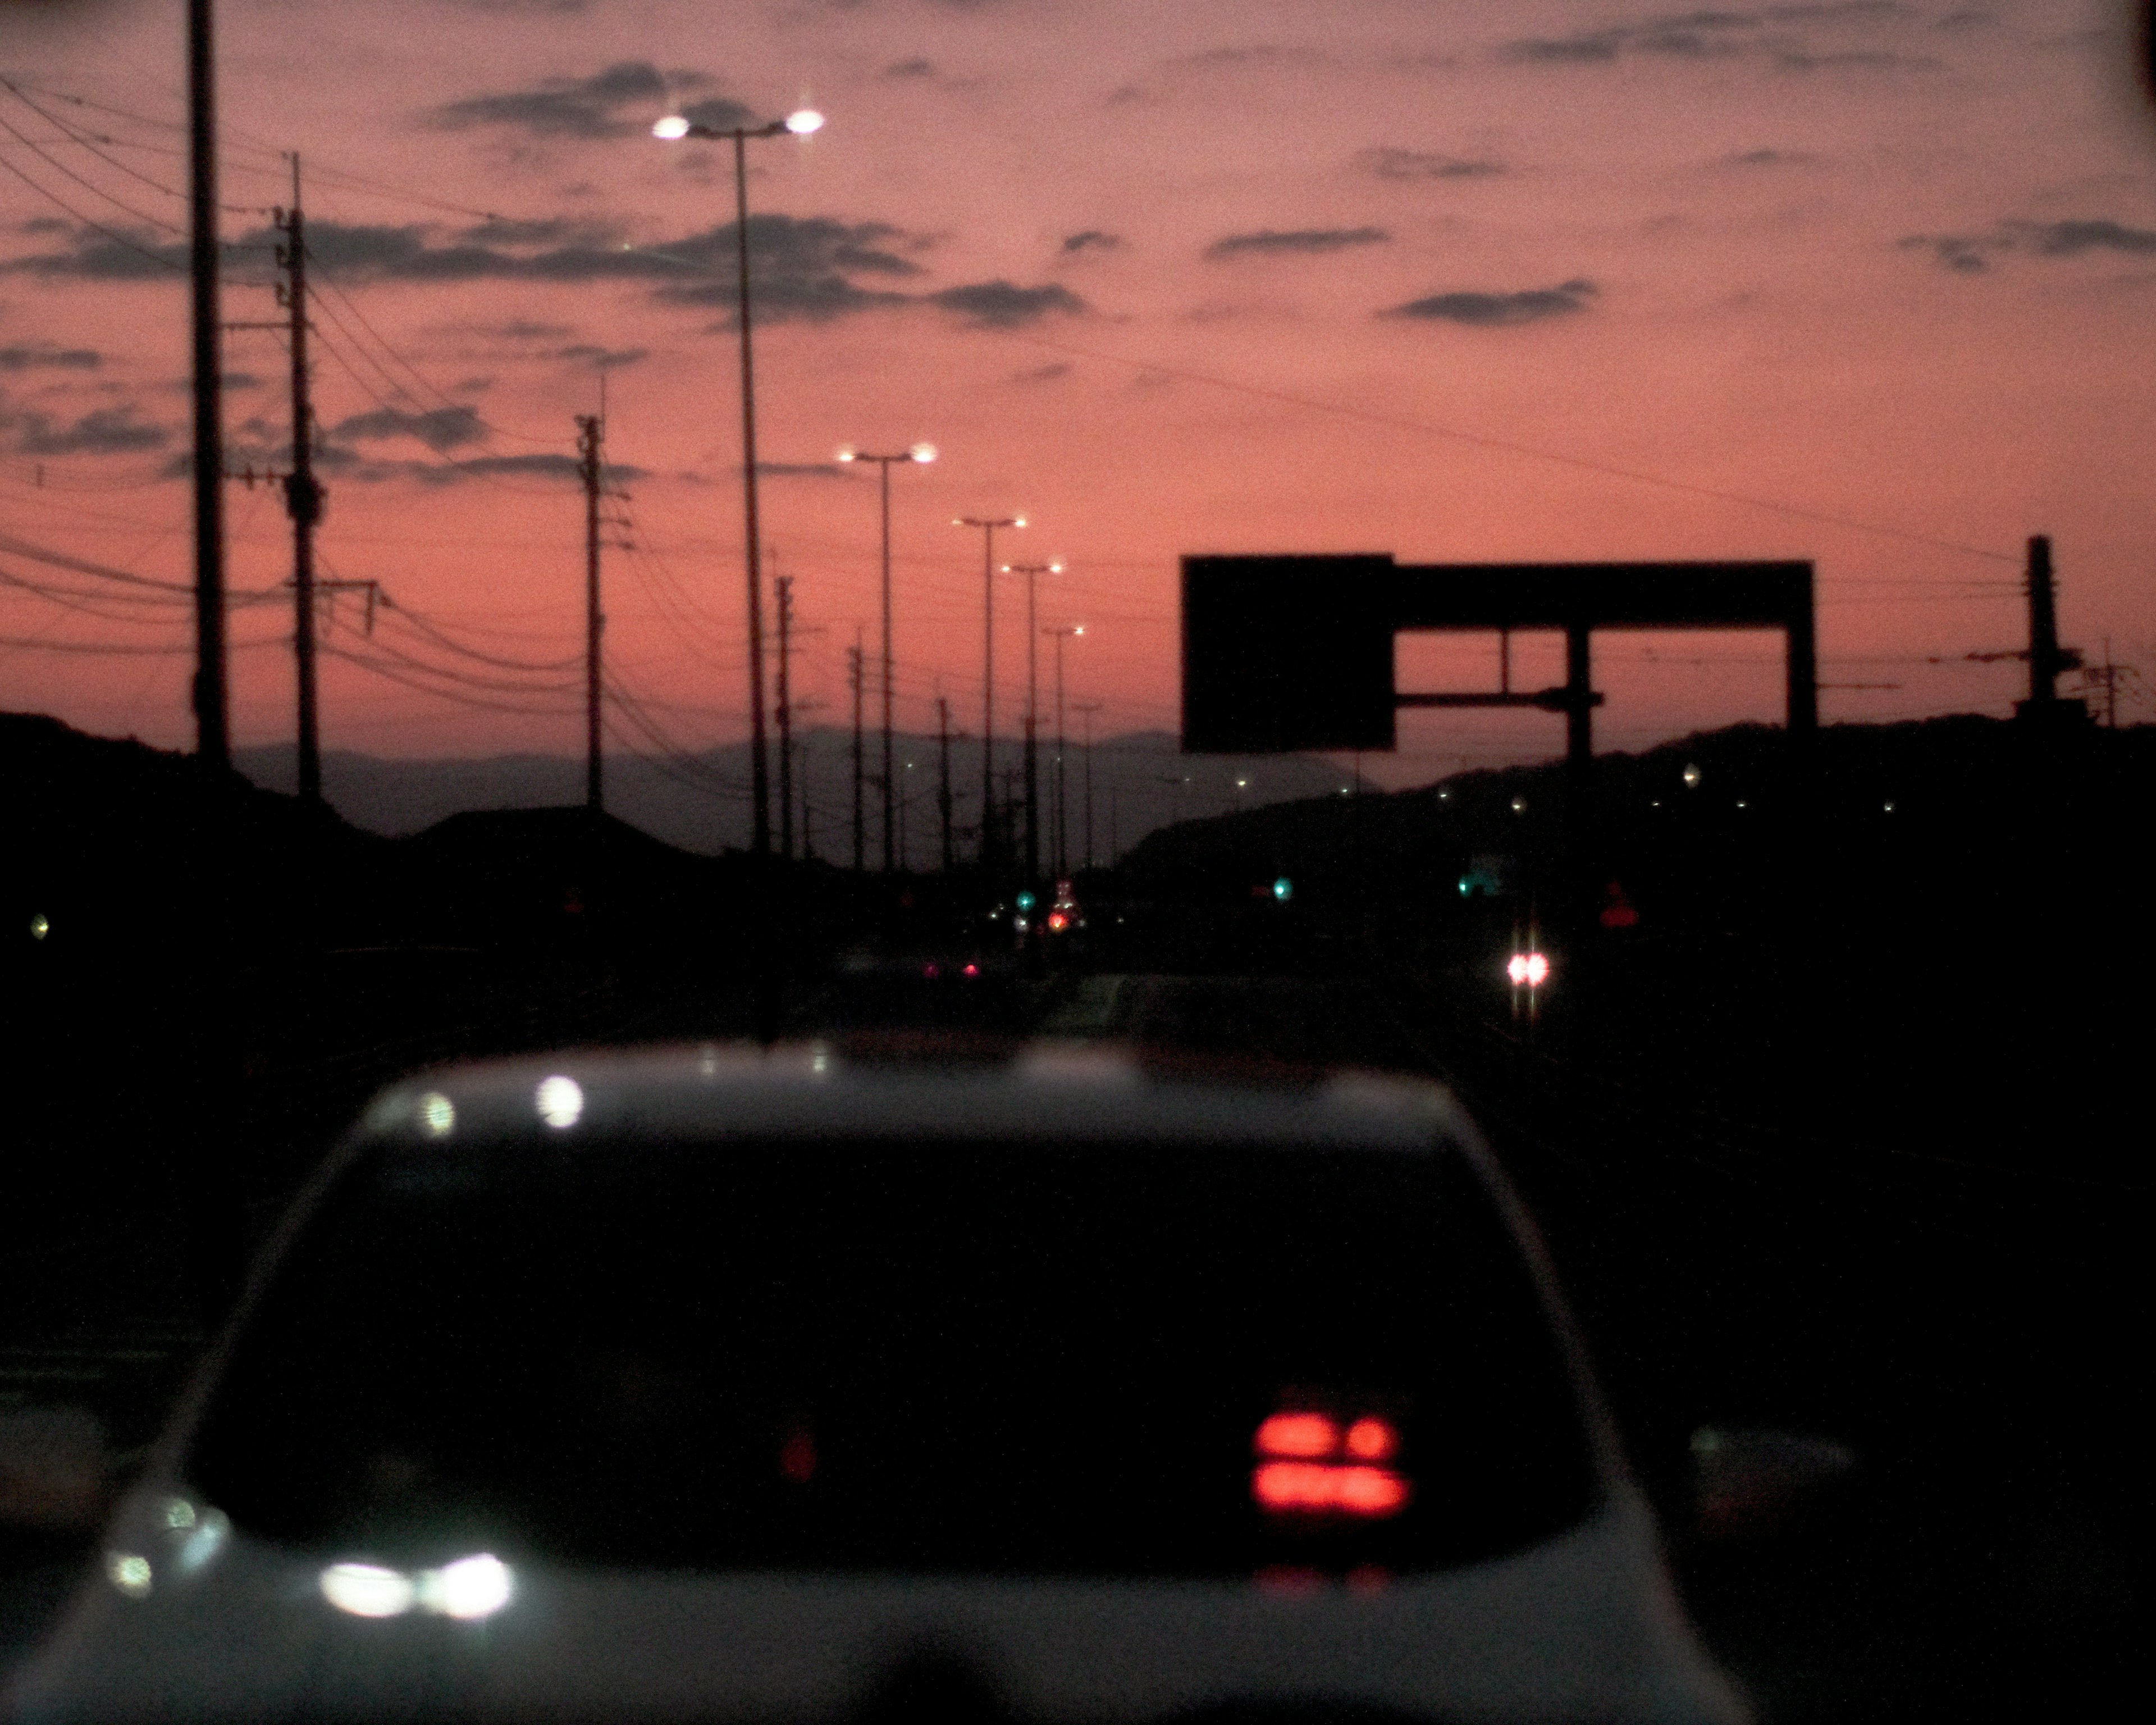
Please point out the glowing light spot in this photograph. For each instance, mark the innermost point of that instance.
(367, 1589)
(1691, 777)
(470, 1588)
(1527, 970)
(931, 970)
(1283, 889)
(39, 927)
(1293, 1484)
(1888, 807)
(803, 122)
(1372, 1439)
(560, 1100)
(1519, 805)
(130, 1571)
(437, 1115)
(1297, 1434)
(1058, 922)
(203, 1542)
(922, 453)
(673, 127)
(973, 970)
(179, 1513)
(1369, 1491)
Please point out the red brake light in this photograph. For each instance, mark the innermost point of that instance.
(1307, 1434)
(1372, 1439)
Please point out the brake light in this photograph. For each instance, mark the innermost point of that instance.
(1311, 1466)
(1297, 1434)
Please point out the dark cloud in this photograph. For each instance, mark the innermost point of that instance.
(801, 266)
(607, 358)
(622, 99)
(1092, 240)
(41, 224)
(1775, 34)
(105, 431)
(1391, 164)
(1269, 241)
(799, 470)
(1768, 158)
(1002, 305)
(1496, 310)
(1972, 254)
(441, 428)
(911, 68)
(525, 330)
(502, 230)
(43, 356)
(1044, 374)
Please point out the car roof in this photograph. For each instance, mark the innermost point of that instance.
(1074, 1093)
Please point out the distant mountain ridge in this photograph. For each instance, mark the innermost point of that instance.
(1142, 781)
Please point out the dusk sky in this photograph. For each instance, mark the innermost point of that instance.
(1871, 283)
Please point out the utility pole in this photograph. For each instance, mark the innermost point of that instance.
(211, 705)
(853, 677)
(303, 492)
(987, 525)
(1032, 572)
(1086, 709)
(1062, 808)
(590, 434)
(782, 589)
(943, 773)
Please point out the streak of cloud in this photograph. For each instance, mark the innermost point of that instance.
(43, 356)
(1972, 254)
(618, 101)
(1388, 163)
(440, 429)
(1485, 310)
(1002, 305)
(1268, 242)
(1091, 239)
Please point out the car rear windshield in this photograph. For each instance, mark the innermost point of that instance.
(1156, 1360)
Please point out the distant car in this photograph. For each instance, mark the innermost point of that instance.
(717, 1384)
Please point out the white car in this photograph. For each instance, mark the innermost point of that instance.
(746, 1385)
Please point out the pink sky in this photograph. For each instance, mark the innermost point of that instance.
(1206, 277)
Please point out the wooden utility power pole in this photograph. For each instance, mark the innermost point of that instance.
(782, 591)
(303, 492)
(590, 434)
(1086, 709)
(211, 705)
(853, 677)
(943, 774)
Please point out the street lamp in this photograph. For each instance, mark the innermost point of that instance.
(924, 454)
(987, 526)
(674, 127)
(1032, 572)
(1062, 810)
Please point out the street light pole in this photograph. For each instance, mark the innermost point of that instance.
(988, 527)
(675, 126)
(1062, 808)
(923, 453)
(1032, 572)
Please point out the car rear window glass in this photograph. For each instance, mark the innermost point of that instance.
(953, 1358)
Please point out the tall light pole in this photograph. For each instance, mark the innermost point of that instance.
(923, 453)
(1062, 809)
(801, 123)
(1032, 572)
(988, 527)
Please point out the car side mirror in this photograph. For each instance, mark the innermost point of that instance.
(1747, 1483)
(56, 1470)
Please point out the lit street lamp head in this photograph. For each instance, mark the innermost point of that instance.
(676, 126)
(922, 453)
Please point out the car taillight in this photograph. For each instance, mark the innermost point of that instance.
(1312, 1465)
